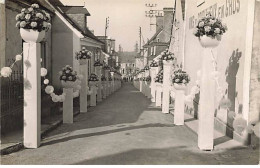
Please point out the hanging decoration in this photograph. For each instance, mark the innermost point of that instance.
(7, 71)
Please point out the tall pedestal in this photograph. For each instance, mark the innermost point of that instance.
(104, 89)
(93, 95)
(107, 82)
(158, 102)
(83, 91)
(167, 65)
(68, 106)
(153, 86)
(207, 103)
(98, 72)
(32, 94)
(112, 82)
(179, 107)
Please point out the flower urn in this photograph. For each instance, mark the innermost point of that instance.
(30, 35)
(208, 42)
(179, 86)
(168, 62)
(67, 84)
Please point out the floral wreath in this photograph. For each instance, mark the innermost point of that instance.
(180, 77)
(33, 18)
(210, 26)
(83, 54)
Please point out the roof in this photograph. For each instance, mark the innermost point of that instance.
(154, 36)
(75, 10)
(59, 7)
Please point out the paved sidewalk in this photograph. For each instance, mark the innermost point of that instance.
(125, 128)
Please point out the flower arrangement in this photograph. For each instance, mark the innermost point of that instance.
(168, 56)
(154, 64)
(93, 77)
(180, 77)
(83, 54)
(159, 77)
(210, 26)
(33, 18)
(148, 78)
(110, 78)
(106, 67)
(98, 63)
(146, 68)
(67, 74)
(103, 78)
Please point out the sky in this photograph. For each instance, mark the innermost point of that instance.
(125, 18)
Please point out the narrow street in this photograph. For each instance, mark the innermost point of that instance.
(125, 128)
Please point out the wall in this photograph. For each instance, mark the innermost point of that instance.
(231, 51)
(2, 34)
(62, 49)
(255, 69)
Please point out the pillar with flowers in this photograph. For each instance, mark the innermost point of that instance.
(158, 92)
(209, 31)
(93, 84)
(33, 22)
(168, 61)
(179, 81)
(98, 65)
(153, 71)
(83, 57)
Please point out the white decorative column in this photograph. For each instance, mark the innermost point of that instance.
(207, 102)
(107, 82)
(158, 100)
(179, 104)
(167, 65)
(98, 72)
(153, 86)
(112, 82)
(32, 94)
(93, 90)
(68, 106)
(141, 83)
(83, 68)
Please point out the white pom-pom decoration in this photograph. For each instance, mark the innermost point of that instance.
(41, 59)
(49, 89)
(46, 81)
(75, 94)
(6, 71)
(18, 57)
(43, 72)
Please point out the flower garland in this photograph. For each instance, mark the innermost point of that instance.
(154, 64)
(180, 77)
(7, 71)
(159, 77)
(33, 18)
(98, 63)
(210, 26)
(83, 54)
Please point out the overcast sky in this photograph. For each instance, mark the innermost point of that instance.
(126, 16)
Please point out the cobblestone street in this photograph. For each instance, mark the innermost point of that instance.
(126, 129)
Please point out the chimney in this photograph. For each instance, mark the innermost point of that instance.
(167, 19)
(159, 22)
